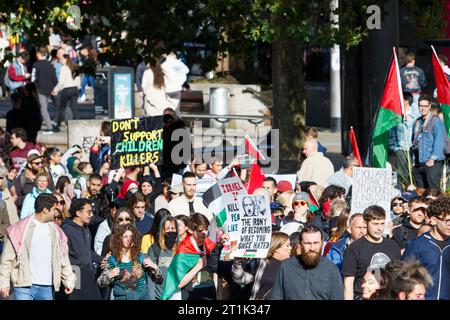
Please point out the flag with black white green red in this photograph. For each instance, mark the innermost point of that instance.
(212, 198)
(185, 259)
(443, 90)
(390, 114)
(221, 199)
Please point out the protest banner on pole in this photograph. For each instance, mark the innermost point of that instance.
(371, 186)
(136, 142)
(255, 226)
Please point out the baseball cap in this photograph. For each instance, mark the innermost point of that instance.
(33, 154)
(276, 205)
(284, 185)
(301, 196)
(408, 195)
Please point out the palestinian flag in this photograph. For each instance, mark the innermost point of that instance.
(443, 90)
(185, 259)
(314, 204)
(212, 199)
(256, 178)
(252, 149)
(389, 114)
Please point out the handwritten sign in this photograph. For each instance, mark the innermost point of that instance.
(231, 189)
(255, 227)
(136, 142)
(371, 186)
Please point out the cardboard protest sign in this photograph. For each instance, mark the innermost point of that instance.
(136, 142)
(371, 186)
(231, 189)
(255, 227)
(176, 179)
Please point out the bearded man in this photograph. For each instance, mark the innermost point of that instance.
(308, 276)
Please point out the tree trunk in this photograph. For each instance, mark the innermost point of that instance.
(289, 105)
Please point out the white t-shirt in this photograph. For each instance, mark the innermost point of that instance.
(41, 255)
(56, 171)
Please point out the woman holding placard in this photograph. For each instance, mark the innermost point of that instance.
(262, 272)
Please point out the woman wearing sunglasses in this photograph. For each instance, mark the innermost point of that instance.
(62, 205)
(397, 210)
(123, 216)
(297, 219)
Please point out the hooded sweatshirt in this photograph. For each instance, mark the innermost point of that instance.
(404, 233)
(82, 256)
(30, 199)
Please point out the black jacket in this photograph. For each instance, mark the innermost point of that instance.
(45, 77)
(404, 233)
(320, 222)
(82, 256)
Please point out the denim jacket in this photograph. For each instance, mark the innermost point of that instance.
(397, 139)
(431, 144)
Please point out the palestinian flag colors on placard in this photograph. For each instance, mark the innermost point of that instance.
(185, 259)
(212, 199)
(389, 114)
(443, 90)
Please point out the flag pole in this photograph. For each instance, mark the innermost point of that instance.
(372, 124)
(408, 156)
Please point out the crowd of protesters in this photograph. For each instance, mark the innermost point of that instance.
(74, 228)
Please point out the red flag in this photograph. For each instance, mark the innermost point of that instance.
(355, 146)
(256, 178)
(252, 149)
(443, 90)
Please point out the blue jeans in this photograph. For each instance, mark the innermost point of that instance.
(35, 292)
(86, 80)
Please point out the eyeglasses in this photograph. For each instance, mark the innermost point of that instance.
(37, 163)
(59, 218)
(446, 221)
(397, 204)
(62, 202)
(420, 209)
(124, 219)
(301, 203)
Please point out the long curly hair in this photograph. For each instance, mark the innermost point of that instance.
(116, 242)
